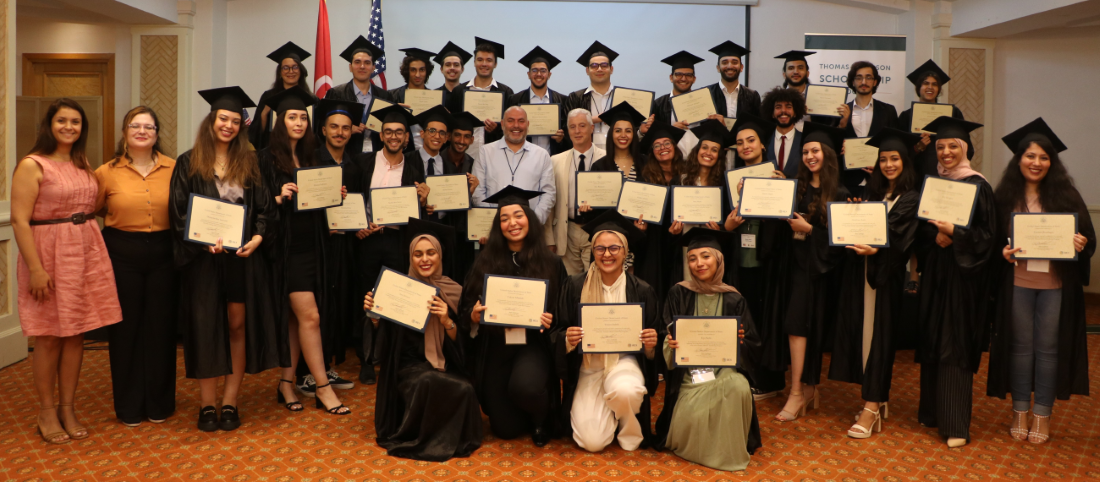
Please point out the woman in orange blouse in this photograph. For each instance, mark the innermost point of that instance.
(133, 197)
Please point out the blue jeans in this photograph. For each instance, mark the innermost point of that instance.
(1035, 316)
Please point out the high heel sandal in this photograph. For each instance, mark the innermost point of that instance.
(334, 410)
(1019, 426)
(55, 437)
(785, 416)
(883, 407)
(1036, 437)
(78, 432)
(858, 431)
(296, 405)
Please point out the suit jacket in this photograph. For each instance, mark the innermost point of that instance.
(748, 100)
(662, 108)
(557, 224)
(794, 154)
(346, 93)
(455, 102)
(882, 115)
(524, 97)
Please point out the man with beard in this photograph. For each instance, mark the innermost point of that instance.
(729, 96)
(416, 68)
(452, 59)
(360, 56)
(864, 117)
(796, 75)
(682, 78)
(456, 160)
(516, 162)
(596, 98)
(435, 123)
(785, 150)
(539, 63)
(485, 61)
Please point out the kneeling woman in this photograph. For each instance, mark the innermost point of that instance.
(426, 407)
(605, 393)
(709, 415)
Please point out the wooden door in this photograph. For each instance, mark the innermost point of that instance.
(76, 75)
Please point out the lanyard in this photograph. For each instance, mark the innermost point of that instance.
(506, 150)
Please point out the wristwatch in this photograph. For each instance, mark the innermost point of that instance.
(449, 328)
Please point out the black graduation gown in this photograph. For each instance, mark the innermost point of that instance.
(346, 93)
(748, 100)
(882, 115)
(455, 103)
(1073, 364)
(257, 135)
(421, 413)
(203, 306)
(568, 365)
(729, 249)
(885, 272)
(956, 287)
(926, 160)
(345, 310)
(464, 248)
(655, 259)
(681, 302)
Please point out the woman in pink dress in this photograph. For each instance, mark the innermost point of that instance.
(66, 284)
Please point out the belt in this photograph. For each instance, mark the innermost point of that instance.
(78, 218)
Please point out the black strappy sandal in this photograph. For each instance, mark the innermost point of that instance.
(296, 405)
(333, 410)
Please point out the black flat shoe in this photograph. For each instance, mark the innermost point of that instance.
(366, 375)
(340, 410)
(230, 419)
(208, 419)
(540, 437)
(293, 406)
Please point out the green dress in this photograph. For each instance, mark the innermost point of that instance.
(710, 423)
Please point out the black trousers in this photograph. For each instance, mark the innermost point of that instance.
(142, 348)
(516, 397)
(375, 251)
(750, 282)
(946, 399)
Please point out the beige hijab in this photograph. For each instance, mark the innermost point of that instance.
(715, 285)
(592, 292)
(449, 291)
(962, 170)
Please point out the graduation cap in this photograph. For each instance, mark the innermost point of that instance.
(289, 50)
(441, 232)
(361, 45)
(435, 114)
(712, 130)
(947, 127)
(661, 130)
(696, 238)
(513, 195)
(395, 113)
(327, 107)
(611, 220)
(682, 60)
(890, 139)
(764, 129)
(917, 76)
(292, 99)
(729, 49)
(227, 98)
(497, 48)
(597, 49)
(465, 121)
(536, 55)
(622, 111)
(826, 135)
(794, 55)
(452, 50)
(418, 54)
(1035, 130)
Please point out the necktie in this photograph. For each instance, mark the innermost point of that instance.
(431, 166)
(582, 167)
(782, 152)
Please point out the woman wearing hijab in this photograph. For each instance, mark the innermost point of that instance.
(1038, 342)
(709, 415)
(426, 408)
(606, 396)
(289, 74)
(954, 301)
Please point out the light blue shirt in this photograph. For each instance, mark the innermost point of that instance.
(530, 169)
(541, 141)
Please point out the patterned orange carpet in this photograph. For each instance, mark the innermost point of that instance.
(274, 444)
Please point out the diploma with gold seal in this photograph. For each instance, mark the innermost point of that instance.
(599, 189)
(484, 105)
(706, 341)
(542, 119)
(403, 300)
(611, 327)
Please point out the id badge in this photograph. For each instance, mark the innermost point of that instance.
(798, 236)
(515, 336)
(702, 377)
(1038, 265)
(748, 240)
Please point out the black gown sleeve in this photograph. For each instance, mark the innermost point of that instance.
(180, 190)
(903, 224)
(973, 245)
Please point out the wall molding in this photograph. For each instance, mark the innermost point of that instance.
(184, 129)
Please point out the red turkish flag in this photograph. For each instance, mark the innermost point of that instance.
(322, 61)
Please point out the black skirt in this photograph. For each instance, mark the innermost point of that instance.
(301, 272)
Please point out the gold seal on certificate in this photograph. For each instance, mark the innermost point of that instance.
(1044, 235)
(514, 302)
(448, 192)
(693, 106)
(484, 105)
(351, 216)
(706, 342)
(599, 189)
(858, 223)
(210, 219)
(768, 198)
(824, 99)
(696, 204)
(924, 114)
(639, 200)
(392, 206)
(318, 187)
(947, 200)
(373, 123)
(734, 177)
(858, 155)
(611, 328)
(640, 100)
(479, 221)
(542, 119)
(420, 100)
(403, 300)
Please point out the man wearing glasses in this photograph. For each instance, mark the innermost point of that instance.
(435, 124)
(596, 98)
(864, 117)
(682, 78)
(539, 63)
(512, 161)
(729, 96)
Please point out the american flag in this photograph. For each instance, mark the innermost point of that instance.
(376, 37)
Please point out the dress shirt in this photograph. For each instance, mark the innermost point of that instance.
(479, 132)
(781, 163)
(427, 160)
(384, 175)
(530, 169)
(541, 141)
(134, 202)
(365, 99)
(731, 100)
(574, 165)
(861, 118)
(600, 103)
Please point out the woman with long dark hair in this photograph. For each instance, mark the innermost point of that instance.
(227, 302)
(53, 195)
(623, 153)
(133, 199)
(655, 259)
(873, 282)
(513, 371)
(290, 73)
(1038, 343)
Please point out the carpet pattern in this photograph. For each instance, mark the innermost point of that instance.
(274, 444)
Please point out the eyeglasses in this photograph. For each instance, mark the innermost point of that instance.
(148, 127)
(539, 71)
(290, 68)
(613, 249)
(435, 132)
(393, 133)
(682, 75)
(662, 145)
(601, 65)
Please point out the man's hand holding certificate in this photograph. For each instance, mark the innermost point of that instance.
(351, 216)
(403, 300)
(924, 114)
(318, 187)
(420, 100)
(768, 198)
(514, 302)
(479, 221)
(611, 328)
(542, 119)
(706, 342)
(693, 106)
(825, 99)
(640, 100)
(209, 220)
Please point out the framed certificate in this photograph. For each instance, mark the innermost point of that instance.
(210, 219)
(514, 302)
(484, 105)
(600, 189)
(924, 114)
(858, 223)
(706, 341)
(393, 206)
(639, 200)
(734, 177)
(403, 300)
(542, 119)
(479, 221)
(697, 204)
(730, 121)
(693, 106)
(611, 327)
(824, 99)
(1044, 235)
(947, 200)
(318, 187)
(640, 100)
(350, 216)
(448, 192)
(374, 123)
(420, 100)
(858, 155)
(768, 198)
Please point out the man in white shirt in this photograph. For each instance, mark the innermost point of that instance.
(485, 62)
(565, 230)
(596, 98)
(864, 117)
(512, 161)
(729, 96)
